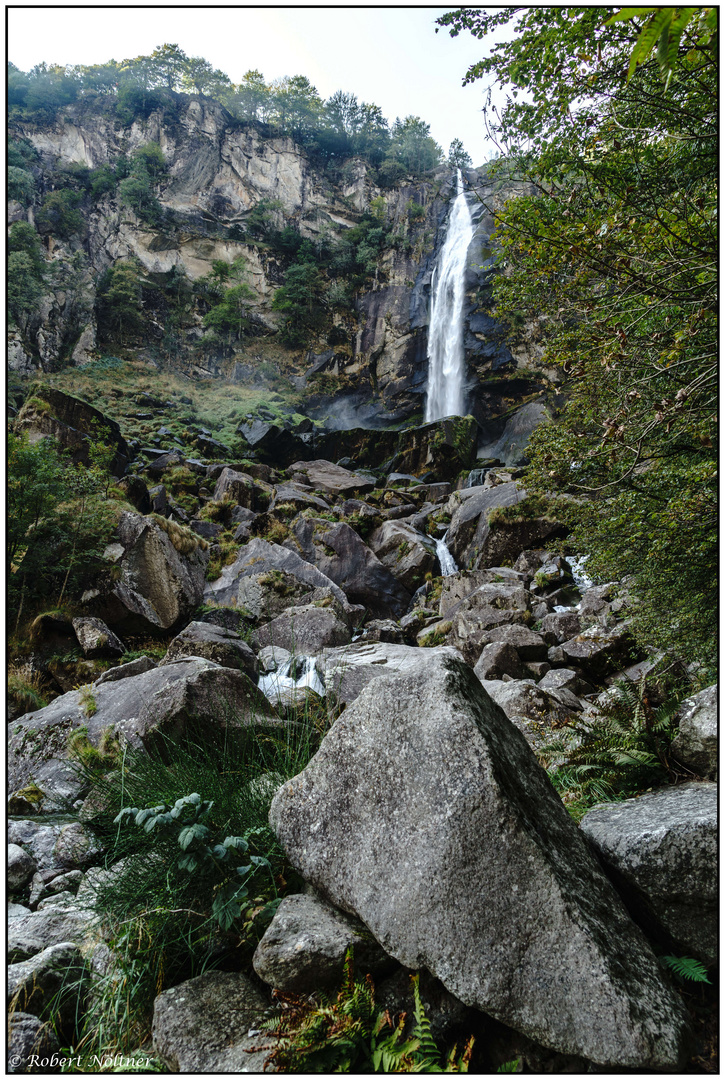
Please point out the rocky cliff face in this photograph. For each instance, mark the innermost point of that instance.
(218, 171)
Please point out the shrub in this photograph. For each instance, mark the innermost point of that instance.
(59, 214)
(26, 691)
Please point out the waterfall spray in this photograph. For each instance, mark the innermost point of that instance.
(446, 361)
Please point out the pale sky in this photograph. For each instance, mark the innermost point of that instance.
(391, 56)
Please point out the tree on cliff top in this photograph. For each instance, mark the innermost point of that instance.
(613, 245)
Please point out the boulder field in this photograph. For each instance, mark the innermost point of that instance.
(425, 829)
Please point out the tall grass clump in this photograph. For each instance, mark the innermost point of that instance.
(176, 898)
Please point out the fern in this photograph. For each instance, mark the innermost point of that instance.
(686, 968)
(350, 1034)
(622, 750)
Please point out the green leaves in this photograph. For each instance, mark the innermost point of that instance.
(685, 967)
(665, 28)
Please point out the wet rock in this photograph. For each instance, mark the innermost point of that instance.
(96, 640)
(304, 946)
(696, 742)
(475, 543)
(510, 447)
(224, 647)
(21, 867)
(201, 1026)
(661, 850)
(425, 813)
(39, 840)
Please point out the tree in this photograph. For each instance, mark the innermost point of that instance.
(59, 215)
(613, 242)
(458, 157)
(21, 185)
(119, 301)
(252, 96)
(297, 106)
(302, 302)
(412, 145)
(166, 66)
(24, 288)
(199, 77)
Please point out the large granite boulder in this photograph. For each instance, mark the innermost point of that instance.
(333, 479)
(490, 606)
(661, 851)
(225, 647)
(444, 447)
(265, 578)
(96, 640)
(201, 1026)
(601, 650)
(477, 538)
(347, 671)
(303, 948)
(74, 423)
(162, 702)
(341, 555)
(304, 630)
(50, 984)
(162, 576)
(21, 867)
(536, 713)
(406, 552)
(696, 742)
(242, 488)
(426, 814)
(39, 930)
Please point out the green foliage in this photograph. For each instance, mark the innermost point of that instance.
(24, 287)
(59, 214)
(21, 185)
(203, 853)
(301, 301)
(118, 302)
(685, 967)
(616, 753)
(26, 691)
(612, 241)
(88, 700)
(458, 156)
(94, 759)
(346, 1034)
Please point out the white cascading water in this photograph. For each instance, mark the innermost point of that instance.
(445, 559)
(446, 360)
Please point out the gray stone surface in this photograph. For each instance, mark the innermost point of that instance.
(332, 479)
(159, 586)
(528, 644)
(304, 630)
(407, 553)
(49, 982)
(39, 840)
(663, 849)
(304, 946)
(21, 867)
(137, 708)
(260, 557)
(425, 813)
(202, 1025)
(224, 647)
(348, 670)
(499, 659)
(560, 626)
(127, 671)
(31, 934)
(696, 742)
(95, 638)
(29, 1038)
(535, 712)
(599, 650)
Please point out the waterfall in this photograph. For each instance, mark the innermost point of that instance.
(446, 560)
(446, 361)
